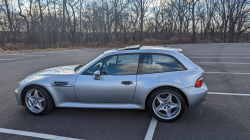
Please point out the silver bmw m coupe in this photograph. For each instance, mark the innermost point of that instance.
(160, 79)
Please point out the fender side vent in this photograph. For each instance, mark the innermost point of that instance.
(60, 83)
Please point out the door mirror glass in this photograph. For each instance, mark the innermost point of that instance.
(97, 75)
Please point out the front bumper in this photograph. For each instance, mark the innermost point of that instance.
(196, 95)
(18, 98)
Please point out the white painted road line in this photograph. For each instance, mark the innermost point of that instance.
(237, 94)
(33, 134)
(64, 53)
(15, 54)
(32, 55)
(151, 129)
(226, 73)
(225, 63)
(218, 57)
(56, 52)
(70, 50)
(26, 54)
(7, 59)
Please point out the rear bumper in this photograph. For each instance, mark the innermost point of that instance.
(196, 95)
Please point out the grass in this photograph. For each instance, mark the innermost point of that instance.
(25, 48)
(9, 48)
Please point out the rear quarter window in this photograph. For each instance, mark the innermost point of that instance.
(154, 63)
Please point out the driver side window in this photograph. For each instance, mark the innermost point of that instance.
(94, 68)
(123, 64)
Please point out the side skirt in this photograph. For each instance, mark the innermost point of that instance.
(100, 105)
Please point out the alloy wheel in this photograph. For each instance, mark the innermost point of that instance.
(35, 101)
(166, 106)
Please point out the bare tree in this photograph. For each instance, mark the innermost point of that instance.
(50, 23)
(9, 19)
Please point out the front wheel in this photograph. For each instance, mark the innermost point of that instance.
(38, 101)
(166, 105)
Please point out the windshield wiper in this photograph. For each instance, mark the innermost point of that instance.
(79, 66)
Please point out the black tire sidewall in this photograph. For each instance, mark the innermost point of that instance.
(172, 91)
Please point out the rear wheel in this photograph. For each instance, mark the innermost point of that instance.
(166, 105)
(38, 101)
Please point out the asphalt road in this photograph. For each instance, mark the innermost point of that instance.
(227, 68)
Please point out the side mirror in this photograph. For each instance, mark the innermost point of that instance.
(97, 75)
(118, 61)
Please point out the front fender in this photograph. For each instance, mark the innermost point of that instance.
(58, 93)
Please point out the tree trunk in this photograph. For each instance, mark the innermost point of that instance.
(63, 22)
(193, 20)
(42, 36)
(9, 20)
(142, 16)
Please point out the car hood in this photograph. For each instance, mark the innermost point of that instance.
(55, 73)
(62, 70)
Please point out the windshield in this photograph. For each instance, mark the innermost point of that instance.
(89, 63)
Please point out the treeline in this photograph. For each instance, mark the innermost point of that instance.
(48, 23)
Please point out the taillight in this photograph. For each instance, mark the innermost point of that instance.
(199, 82)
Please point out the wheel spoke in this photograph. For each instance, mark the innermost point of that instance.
(30, 102)
(160, 107)
(31, 99)
(40, 99)
(39, 106)
(35, 94)
(32, 106)
(168, 111)
(173, 105)
(161, 101)
(169, 99)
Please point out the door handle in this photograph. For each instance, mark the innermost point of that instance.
(127, 82)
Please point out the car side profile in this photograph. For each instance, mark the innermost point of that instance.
(159, 79)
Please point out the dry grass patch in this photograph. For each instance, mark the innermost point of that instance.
(24, 48)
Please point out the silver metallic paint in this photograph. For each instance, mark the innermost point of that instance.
(108, 89)
(80, 95)
(195, 95)
(177, 79)
(101, 105)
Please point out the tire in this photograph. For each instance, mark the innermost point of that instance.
(166, 105)
(38, 101)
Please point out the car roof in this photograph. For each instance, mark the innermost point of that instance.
(175, 52)
(140, 48)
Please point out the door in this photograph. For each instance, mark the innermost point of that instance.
(116, 84)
